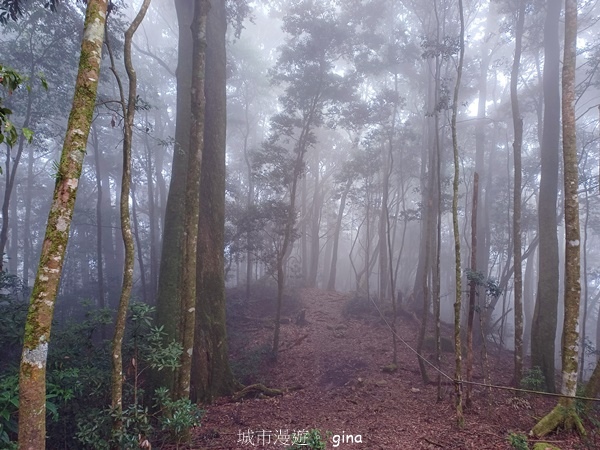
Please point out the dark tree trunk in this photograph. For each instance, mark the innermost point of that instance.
(211, 374)
(168, 297)
(472, 291)
(544, 319)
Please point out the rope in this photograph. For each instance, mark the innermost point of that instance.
(475, 383)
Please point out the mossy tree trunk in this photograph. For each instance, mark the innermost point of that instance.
(32, 375)
(192, 199)
(211, 374)
(128, 106)
(458, 291)
(564, 414)
(517, 239)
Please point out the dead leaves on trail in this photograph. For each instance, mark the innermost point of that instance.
(329, 373)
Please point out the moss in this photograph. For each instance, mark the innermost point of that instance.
(560, 416)
(545, 446)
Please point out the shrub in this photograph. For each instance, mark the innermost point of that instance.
(518, 441)
(533, 379)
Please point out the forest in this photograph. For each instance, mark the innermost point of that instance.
(299, 224)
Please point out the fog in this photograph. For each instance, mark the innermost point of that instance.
(340, 137)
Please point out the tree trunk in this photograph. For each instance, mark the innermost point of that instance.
(544, 319)
(139, 246)
(457, 267)
(11, 173)
(517, 241)
(528, 302)
(565, 414)
(32, 375)
(168, 297)
(152, 221)
(192, 199)
(211, 374)
(315, 226)
(336, 237)
(99, 248)
(472, 290)
(27, 234)
(128, 107)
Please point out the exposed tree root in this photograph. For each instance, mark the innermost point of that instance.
(257, 389)
(559, 417)
(295, 343)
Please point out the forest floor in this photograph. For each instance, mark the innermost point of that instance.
(330, 369)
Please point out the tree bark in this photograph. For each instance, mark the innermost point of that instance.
(168, 297)
(544, 318)
(457, 266)
(565, 414)
(192, 199)
(472, 290)
(517, 239)
(32, 382)
(99, 248)
(211, 374)
(128, 106)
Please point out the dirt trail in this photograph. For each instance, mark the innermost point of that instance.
(332, 368)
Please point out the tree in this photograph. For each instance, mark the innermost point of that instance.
(128, 107)
(32, 383)
(11, 80)
(544, 320)
(565, 414)
(211, 374)
(517, 145)
(306, 69)
(192, 200)
(457, 267)
(168, 297)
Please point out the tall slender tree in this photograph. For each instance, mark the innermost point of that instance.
(32, 374)
(128, 107)
(517, 239)
(457, 265)
(564, 414)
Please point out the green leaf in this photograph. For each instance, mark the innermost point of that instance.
(28, 134)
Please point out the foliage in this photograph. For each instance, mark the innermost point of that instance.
(9, 406)
(176, 417)
(517, 441)
(12, 317)
(148, 341)
(491, 286)
(533, 379)
(170, 421)
(94, 431)
(62, 387)
(309, 440)
(10, 80)
(13, 9)
(78, 377)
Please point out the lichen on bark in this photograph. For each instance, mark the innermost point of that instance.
(32, 383)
